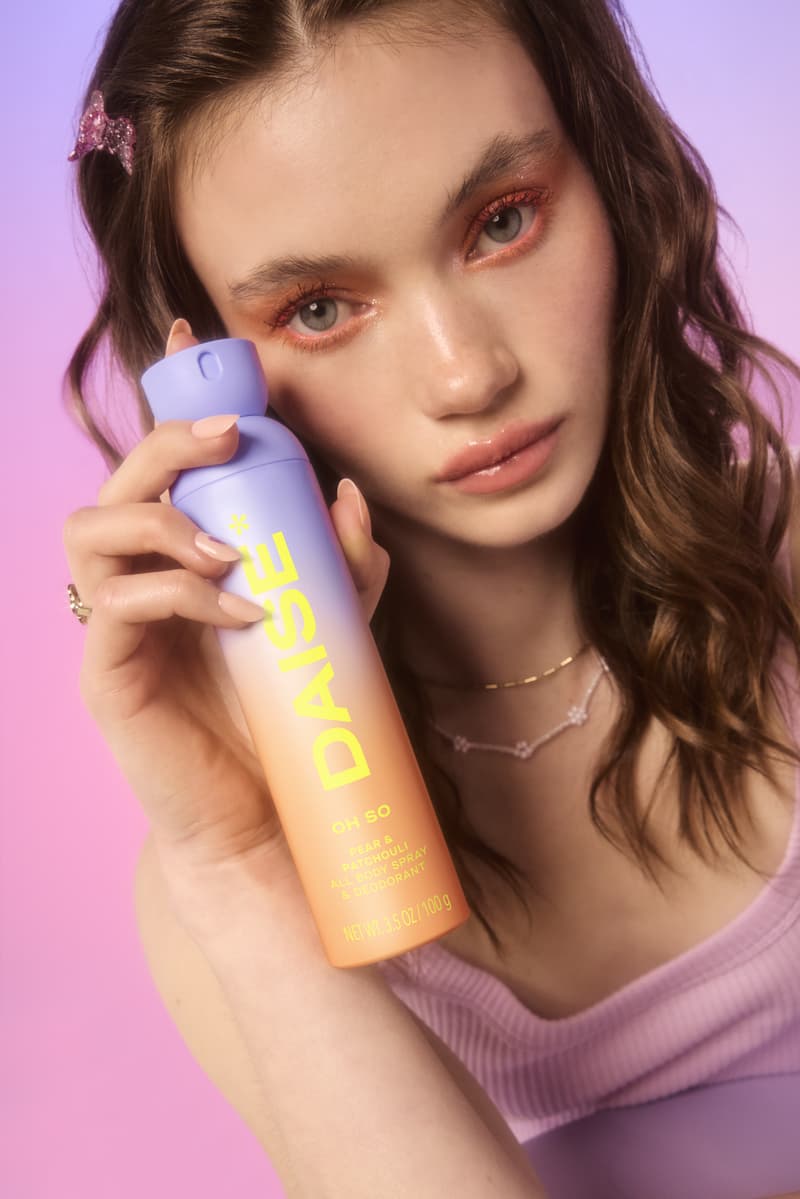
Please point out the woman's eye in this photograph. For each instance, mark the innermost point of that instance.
(313, 318)
(506, 225)
(318, 316)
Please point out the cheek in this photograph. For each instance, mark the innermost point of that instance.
(329, 413)
(340, 402)
(568, 313)
(302, 396)
(592, 273)
(560, 298)
(586, 277)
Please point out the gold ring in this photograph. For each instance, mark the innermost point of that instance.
(81, 610)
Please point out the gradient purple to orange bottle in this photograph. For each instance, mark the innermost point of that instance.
(358, 819)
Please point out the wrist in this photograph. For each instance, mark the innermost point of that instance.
(253, 897)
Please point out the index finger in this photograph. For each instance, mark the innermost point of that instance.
(153, 465)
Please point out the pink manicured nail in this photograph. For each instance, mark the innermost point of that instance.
(180, 336)
(214, 426)
(216, 549)
(362, 507)
(241, 608)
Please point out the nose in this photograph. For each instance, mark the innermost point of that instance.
(461, 361)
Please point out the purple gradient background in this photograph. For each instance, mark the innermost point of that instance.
(100, 1098)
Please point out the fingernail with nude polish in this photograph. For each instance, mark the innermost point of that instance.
(239, 607)
(180, 336)
(349, 485)
(214, 426)
(216, 549)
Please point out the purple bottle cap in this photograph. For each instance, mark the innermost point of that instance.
(207, 380)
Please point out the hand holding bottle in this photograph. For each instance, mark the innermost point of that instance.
(148, 676)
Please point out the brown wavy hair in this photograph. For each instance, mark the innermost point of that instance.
(676, 582)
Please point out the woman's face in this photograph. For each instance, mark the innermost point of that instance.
(421, 260)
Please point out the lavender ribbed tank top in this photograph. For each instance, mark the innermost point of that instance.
(683, 1084)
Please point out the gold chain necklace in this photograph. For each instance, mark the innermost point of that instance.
(533, 678)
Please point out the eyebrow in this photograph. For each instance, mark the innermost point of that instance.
(503, 154)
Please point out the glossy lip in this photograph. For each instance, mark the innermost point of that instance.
(480, 455)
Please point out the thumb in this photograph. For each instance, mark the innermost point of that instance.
(368, 562)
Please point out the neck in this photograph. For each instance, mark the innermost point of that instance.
(472, 616)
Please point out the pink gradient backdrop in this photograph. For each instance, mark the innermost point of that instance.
(100, 1099)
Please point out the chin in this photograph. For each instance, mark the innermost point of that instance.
(519, 518)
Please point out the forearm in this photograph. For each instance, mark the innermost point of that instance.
(360, 1099)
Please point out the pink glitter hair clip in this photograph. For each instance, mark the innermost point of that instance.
(100, 132)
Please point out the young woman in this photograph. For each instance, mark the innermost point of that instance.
(479, 265)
